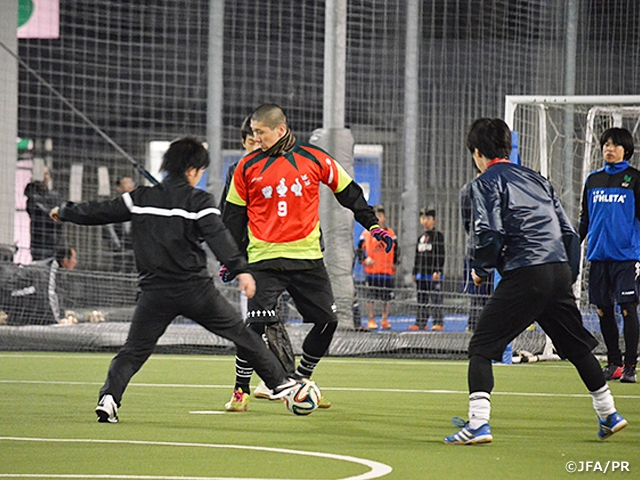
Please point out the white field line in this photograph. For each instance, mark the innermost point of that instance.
(230, 358)
(334, 389)
(377, 469)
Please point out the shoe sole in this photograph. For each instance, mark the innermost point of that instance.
(265, 396)
(616, 428)
(474, 441)
(229, 408)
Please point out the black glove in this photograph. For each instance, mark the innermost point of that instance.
(225, 275)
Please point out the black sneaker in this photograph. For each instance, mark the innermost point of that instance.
(612, 372)
(628, 374)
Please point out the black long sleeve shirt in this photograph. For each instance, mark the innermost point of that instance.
(169, 222)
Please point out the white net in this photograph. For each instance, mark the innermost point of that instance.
(104, 80)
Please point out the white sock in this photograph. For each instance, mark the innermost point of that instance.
(603, 402)
(479, 409)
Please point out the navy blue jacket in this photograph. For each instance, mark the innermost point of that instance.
(519, 222)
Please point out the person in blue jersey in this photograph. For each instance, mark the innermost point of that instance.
(523, 231)
(610, 217)
(169, 222)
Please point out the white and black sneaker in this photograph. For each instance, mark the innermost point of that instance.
(284, 388)
(262, 391)
(107, 410)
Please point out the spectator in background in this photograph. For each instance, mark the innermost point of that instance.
(479, 293)
(427, 271)
(66, 257)
(45, 233)
(7, 253)
(380, 269)
(610, 216)
(30, 294)
(118, 235)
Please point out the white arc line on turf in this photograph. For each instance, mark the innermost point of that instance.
(377, 469)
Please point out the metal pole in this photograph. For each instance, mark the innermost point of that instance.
(335, 57)
(215, 95)
(9, 124)
(337, 222)
(568, 195)
(411, 121)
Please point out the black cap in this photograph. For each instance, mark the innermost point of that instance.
(428, 212)
(378, 208)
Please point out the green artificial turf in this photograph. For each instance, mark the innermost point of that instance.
(393, 412)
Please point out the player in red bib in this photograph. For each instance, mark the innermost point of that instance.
(274, 198)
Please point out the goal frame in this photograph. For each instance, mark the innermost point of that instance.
(512, 101)
(599, 104)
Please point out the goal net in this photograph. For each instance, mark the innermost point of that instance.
(559, 137)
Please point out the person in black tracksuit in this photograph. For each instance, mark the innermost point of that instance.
(169, 221)
(523, 231)
(427, 270)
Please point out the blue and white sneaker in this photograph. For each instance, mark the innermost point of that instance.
(613, 424)
(468, 436)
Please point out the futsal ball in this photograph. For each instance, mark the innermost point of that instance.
(303, 399)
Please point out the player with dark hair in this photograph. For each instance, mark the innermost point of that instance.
(610, 216)
(523, 231)
(274, 197)
(249, 145)
(169, 222)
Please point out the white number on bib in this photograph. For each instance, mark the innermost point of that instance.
(282, 208)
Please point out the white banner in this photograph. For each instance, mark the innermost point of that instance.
(38, 18)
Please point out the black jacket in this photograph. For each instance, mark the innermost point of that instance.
(429, 255)
(169, 222)
(519, 222)
(45, 233)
